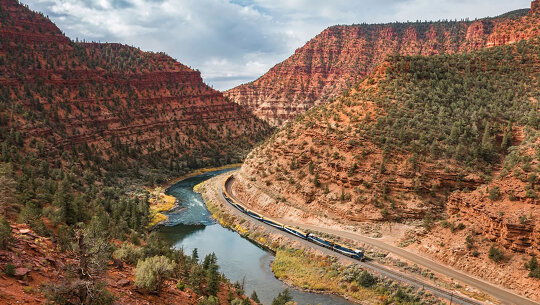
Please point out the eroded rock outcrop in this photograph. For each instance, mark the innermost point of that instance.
(341, 56)
(112, 101)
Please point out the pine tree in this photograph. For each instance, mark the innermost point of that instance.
(507, 137)
(255, 297)
(282, 298)
(212, 274)
(195, 255)
(486, 138)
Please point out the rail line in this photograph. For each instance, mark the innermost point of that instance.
(383, 271)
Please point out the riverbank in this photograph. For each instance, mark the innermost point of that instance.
(302, 266)
(161, 203)
(166, 185)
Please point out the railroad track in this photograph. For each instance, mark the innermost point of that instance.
(439, 292)
(377, 268)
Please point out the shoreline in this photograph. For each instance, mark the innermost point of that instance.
(169, 183)
(201, 189)
(160, 214)
(276, 245)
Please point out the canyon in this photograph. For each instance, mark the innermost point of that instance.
(83, 127)
(341, 56)
(111, 101)
(431, 127)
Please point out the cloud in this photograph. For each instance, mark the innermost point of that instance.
(234, 41)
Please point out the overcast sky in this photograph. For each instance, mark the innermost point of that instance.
(236, 41)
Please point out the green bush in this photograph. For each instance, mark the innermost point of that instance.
(151, 272)
(533, 267)
(282, 298)
(494, 193)
(255, 297)
(180, 285)
(496, 254)
(128, 253)
(366, 279)
(9, 270)
(211, 300)
(5, 233)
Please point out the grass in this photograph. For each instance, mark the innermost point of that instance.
(159, 203)
(317, 273)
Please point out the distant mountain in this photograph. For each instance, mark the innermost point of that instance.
(341, 56)
(110, 102)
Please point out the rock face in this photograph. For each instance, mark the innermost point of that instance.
(341, 56)
(111, 101)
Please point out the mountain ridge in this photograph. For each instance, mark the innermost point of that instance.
(109, 95)
(341, 56)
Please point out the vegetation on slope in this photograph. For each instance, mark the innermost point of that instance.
(342, 55)
(460, 107)
(416, 125)
(83, 126)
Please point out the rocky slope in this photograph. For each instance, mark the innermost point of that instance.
(111, 101)
(341, 56)
(443, 142)
(83, 126)
(36, 263)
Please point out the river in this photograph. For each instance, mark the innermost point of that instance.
(239, 259)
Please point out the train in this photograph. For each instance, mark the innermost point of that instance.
(342, 249)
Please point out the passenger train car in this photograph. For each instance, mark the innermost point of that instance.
(354, 253)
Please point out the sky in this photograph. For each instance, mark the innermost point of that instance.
(236, 41)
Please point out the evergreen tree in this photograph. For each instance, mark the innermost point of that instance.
(255, 297)
(212, 274)
(195, 255)
(282, 298)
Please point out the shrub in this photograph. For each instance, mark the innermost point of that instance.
(533, 267)
(366, 279)
(496, 254)
(237, 301)
(128, 253)
(151, 272)
(77, 291)
(211, 300)
(9, 270)
(180, 285)
(5, 233)
(469, 241)
(255, 297)
(282, 298)
(495, 193)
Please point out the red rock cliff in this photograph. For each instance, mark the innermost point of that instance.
(341, 56)
(110, 99)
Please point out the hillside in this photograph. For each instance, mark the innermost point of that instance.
(442, 143)
(111, 102)
(341, 56)
(83, 128)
